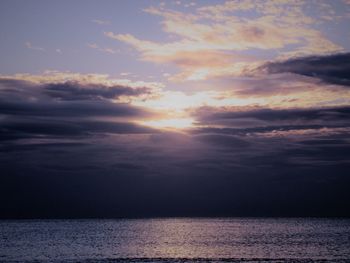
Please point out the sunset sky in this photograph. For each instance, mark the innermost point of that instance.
(142, 108)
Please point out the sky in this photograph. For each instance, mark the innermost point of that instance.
(174, 108)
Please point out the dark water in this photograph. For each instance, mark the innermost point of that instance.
(176, 240)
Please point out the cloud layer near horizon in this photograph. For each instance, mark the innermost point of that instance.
(79, 145)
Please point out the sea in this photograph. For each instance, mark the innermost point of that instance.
(176, 240)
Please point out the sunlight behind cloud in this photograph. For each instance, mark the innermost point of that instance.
(177, 123)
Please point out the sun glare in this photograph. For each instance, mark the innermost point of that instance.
(178, 123)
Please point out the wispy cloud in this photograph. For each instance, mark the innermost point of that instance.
(101, 22)
(276, 25)
(125, 74)
(30, 46)
(102, 49)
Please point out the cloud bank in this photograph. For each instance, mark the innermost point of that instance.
(74, 148)
(333, 69)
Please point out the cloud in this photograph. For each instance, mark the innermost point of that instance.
(70, 90)
(217, 30)
(101, 22)
(76, 91)
(30, 46)
(333, 69)
(200, 65)
(223, 141)
(273, 119)
(174, 174)
(52, 76)
(31, 127)
(102, 49)
(68, 107)
(70, 141)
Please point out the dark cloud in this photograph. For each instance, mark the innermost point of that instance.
(262, 129)
(198, 176)
(334, 69)
(68, 99)
(43, 108)
(71, 90)
(41, 128)
(76, 91)
(267, 119)
(85, 157)
(222, 140)
(32, 110)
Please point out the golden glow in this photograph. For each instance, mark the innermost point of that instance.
(178, 123)
(177, 103)
(199, 74)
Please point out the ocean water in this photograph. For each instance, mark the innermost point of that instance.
(176, 240)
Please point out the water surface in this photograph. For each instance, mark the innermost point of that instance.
(176, 240)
